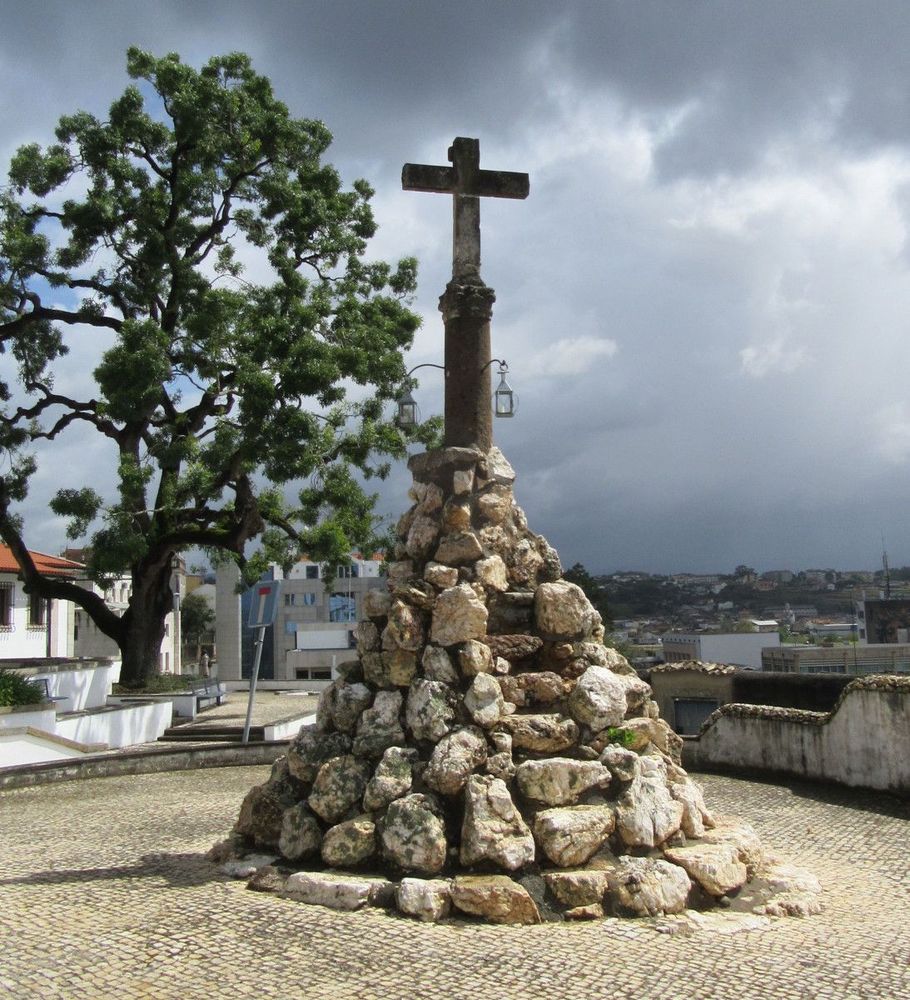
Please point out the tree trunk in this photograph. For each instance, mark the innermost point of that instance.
(151, 601)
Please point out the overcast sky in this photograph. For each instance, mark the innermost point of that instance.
(705, 300)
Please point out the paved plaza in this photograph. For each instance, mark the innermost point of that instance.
(105, 893)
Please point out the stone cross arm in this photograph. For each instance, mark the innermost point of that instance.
(483, 183)
(467, 184)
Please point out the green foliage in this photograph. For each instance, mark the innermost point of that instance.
(624, 737)
(159, 684)
(196, 617)
(214, 390)
(18, 690)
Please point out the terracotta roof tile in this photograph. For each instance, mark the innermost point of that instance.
(52, 565)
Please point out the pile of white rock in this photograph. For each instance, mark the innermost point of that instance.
(486, 752)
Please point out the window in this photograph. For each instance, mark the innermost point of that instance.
(312, 572)
(6, 605)
(37, 611)
(290, 600)
(342, 608)
(690, 713)
(309, 600)
(344, 572)
(313, 673)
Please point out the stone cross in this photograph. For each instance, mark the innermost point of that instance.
(467, 303)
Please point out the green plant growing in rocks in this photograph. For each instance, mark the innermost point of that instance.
(17, 690)
(624, 737)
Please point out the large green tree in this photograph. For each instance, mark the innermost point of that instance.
(212, 388)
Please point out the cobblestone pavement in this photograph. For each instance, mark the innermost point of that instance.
(105, 893)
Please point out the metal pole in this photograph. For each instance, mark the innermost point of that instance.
(253, 679)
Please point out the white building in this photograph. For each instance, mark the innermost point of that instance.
(741, 649)
(32, 627)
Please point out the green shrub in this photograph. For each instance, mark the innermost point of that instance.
(624, 737)
(18, 690)
(160, 684)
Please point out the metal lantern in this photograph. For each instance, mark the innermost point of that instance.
(407, 410)
(503, 397)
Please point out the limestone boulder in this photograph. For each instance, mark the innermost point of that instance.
(454, 759)
(350, 843)
(495, 504)
(430, 709)
(391, 780)
(715, 867)
(742, 835)
(437, 665)
(645, 887)
(496, 468)
(404, 628)
(375, 670)
(514, 647)
(495, 898)
(562, 611)
(541, 733)
(474, 657)
(493, 830)
(522, 559)
(637, 693)
(338, 787)
(368, 637)
(695, 817)
(427, 899)
(598, 699)
(559, 781)
(339, 892)
(399, 667)
(492, 573)
(413, 835)
(646, 813)
(459, 615)
(621, 762)
(301, 834)
(484, 701)
(422, 536)
(440, 576)
(377, 603)
(456, 516)
(459, 549)
(542, 687)
(380, 727)
(578, 888)
(310, 749)
(348, 704)
(570, 835)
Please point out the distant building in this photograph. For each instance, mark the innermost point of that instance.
(886, 620)
(313, 630)
(856, 660)
(33, 627)
(743, 649)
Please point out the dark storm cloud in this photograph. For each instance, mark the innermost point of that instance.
(704, 299)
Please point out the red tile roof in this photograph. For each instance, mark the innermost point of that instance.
(52, 565)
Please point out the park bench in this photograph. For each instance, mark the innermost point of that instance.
(208, 692)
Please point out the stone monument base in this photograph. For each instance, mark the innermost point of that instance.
(486, 754)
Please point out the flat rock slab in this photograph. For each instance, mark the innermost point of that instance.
(715, 867)
(339, 892)
(495, 898)
(245, 867)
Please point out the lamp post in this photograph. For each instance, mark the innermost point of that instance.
(504, 398)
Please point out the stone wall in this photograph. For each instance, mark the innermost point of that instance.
(864, 742)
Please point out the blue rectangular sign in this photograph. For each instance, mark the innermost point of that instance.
(264, 605)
